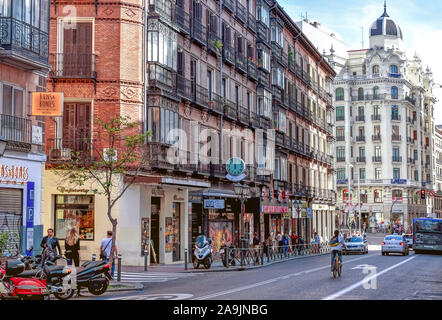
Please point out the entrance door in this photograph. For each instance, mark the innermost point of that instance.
(176, 231)
(155, 227)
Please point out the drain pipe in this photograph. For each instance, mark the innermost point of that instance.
(221, 87)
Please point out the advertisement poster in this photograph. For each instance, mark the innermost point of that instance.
(145, 235)
(221, 234)
(169, 234)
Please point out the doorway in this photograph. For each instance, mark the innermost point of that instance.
(155, 228)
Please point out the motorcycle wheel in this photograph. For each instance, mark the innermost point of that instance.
(64, 296)
(195, 264)
(208, 263)
(96, 291)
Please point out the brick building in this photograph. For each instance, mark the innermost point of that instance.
(238, 80)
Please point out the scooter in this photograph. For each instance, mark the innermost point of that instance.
(203, 255)
(13, 286)
(94, 275)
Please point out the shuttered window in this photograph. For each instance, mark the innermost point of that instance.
(11, 213)
(77, 127)
(77, 50)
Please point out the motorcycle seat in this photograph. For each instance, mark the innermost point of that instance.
(28, 273)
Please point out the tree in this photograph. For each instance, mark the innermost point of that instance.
(117, 153)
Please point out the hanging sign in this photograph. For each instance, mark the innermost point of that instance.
(47, 104)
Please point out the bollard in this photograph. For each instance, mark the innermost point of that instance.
(185, 259)
(94, 256)
(145, 260)
(119, 268)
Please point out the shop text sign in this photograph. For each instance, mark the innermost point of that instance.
(274, 209)
(47, 104)
(213, 203)
(13, 174)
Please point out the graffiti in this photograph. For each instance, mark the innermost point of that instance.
(221, 234)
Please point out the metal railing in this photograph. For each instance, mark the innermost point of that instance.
(182, 19)
(15, 129)
(73, 65)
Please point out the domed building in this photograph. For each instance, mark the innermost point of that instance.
(384, 124)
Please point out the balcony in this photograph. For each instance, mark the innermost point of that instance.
(410, 140)
(411, 161)
(265, 123)
(397, 159)
(243, 115)
(230, 110)
(251, 23)
(254, 120)
(340, 118)
(360, 118)
(360, 139)
(161, 77)
(199, 33)
(182, 19)
(411, 100)
(377, 159)
(73, 65)
(229, 5)
(252, 71)
(200, 95)
(395, 117)
(369, 97)
(16, 130)
(184, 87)
(216, 103)
(23, 45)
(396, 137)
(340, 159)
(56, 153)
(158, 156)
(228, 54)
(241, 63)
(262, 32)
(340, 138)
(361, 159)
(376, 117)
(241, 12)
(212, 43)
(376, 138)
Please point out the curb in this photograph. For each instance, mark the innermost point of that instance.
(135, 286)
(253, 267)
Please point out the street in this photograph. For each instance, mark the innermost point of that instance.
(393, 277)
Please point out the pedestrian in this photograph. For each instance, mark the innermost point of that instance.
(72, 246)
(256, 246)
(269, 246)
(316, 242)
(50, 245)
(285, 243)
(279, 241)
(105, 247)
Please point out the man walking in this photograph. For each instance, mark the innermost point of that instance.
(105, 247)
(50, 244)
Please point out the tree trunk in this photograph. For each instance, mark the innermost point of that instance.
(114, 237)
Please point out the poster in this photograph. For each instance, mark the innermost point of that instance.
(169, 235)
(145, 235)
(221, 234)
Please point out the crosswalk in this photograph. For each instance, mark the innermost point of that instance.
(153, 276)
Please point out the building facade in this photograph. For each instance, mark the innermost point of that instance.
(384, 119)
(437, 171)
(23, 70)
(210, 83)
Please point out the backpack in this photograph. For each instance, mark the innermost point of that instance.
(334, 242)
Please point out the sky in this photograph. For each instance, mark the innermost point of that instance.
(420, 21)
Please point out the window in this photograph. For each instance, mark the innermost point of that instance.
(362, 153)
(339, 94)
(263, 13)
(340, 153)
(340, 173)
(377, 131)
(375, 70)
(362, 173)
(361, 94)
(395, 153)
(282, 121)
(378, 173)
(415, 155)
(396, 173)
(394, 93)
(416, 175)
(395, 113)
(162, 44)
(377, 152)
(375, 92)
(265, 103)
(397, 195)
(394, 68)
(74, 211)
(161, 123)
(277, 34)
(278, 77)
(77, 127)
(361, 112)
(376, 111)
(264, 59)
(340, 132)
(280, 169)
(13, 101)
(340, 114)
(377, 196)
(5, 8)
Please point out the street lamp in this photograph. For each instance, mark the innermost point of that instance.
(350, 166)
(243, 192)
(3, 143)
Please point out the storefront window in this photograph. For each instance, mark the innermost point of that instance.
(74, 211)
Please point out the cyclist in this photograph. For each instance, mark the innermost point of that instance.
(336, 243)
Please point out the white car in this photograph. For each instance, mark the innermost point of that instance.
(356, 244)
(409, 238)
(395, 244)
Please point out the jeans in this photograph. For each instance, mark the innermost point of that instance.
(113, 266)
(333, 255)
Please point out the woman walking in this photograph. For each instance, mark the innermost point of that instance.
(72, 247)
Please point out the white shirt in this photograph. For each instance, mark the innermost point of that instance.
(107, 242)
(340, 244)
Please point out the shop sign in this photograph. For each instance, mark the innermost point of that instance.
(214, 204)
(304, 213)
(286, 215)
(71, 190)
(177, 198)
(157, 192)
(274, 209)
(365, 209)
(378, 209)
(14, 174)
(398, 181)
(47, 104)
(397, 209)
(309, 213)
(37, 135)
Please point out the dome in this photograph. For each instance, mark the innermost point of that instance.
(385, 26)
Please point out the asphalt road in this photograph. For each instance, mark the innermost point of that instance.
(365, 277)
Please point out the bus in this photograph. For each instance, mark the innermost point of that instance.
(427, 234)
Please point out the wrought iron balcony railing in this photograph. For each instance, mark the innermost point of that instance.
(376, 117)
(241, 12)
(376, 138)
(182, 19)
(199, 32)
(73, 65)
(15, 129)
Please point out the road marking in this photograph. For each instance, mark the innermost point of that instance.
(362, 266)
(156, 296)
(360, 283)
(262, 283)
(153, 276)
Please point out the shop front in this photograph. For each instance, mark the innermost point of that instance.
(276, 220)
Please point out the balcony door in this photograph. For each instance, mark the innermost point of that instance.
(77, 127)
(77, 50)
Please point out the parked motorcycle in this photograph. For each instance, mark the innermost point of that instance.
(203, 255)
(94, 275)
(230, 257)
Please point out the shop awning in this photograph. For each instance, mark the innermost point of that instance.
(220, 193)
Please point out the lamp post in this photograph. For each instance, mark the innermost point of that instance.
(3, 144)
(242, 191)
(349, 194)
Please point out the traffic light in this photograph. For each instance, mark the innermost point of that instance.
(422, 194)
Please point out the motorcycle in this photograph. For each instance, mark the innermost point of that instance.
(227, 258)
(14, 286)
(203, 255)
(94, 275)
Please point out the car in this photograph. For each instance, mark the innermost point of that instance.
(395, 244)
(409, 238)
(356, 244)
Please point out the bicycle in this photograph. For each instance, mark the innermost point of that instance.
(337, 266)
